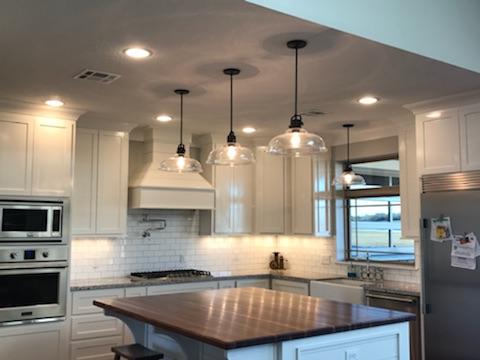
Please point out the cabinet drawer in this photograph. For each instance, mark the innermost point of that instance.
(259, 283)
(82, 301)
(135, 291)
(94, 326)
(179, 288)
(290, 286)
(97, 349)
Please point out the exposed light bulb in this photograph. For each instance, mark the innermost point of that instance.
(348, 178)
(180, 163)
(295, 140)
(231, 152)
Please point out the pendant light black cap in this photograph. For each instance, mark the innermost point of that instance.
(182, 91)
(296, 44)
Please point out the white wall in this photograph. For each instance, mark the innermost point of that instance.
(445, 30)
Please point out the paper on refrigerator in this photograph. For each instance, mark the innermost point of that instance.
(465, 250)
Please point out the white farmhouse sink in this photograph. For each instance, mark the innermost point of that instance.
(344, 290)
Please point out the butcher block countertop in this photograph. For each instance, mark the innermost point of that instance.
(234, 318)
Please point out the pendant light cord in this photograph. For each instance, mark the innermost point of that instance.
(181, 119)
(231, 102)
(296, 82)
(348, 146)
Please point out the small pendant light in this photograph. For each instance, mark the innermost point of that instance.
(231, 153)
(348, 177)
(179, 162)
(296, 141)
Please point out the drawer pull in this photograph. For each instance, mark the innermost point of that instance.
(392, 298)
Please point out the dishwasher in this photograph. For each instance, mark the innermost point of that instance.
(405, 303)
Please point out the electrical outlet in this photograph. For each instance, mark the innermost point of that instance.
(352, 354)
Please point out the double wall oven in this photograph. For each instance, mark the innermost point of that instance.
(33, 260)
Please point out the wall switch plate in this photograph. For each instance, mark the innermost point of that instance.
(352, 354)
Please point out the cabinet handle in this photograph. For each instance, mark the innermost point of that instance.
(392, 298)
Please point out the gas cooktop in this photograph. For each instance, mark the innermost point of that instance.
(170, 274)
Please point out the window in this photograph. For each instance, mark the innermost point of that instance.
(373, 215)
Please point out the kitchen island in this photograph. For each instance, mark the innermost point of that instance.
(254, 324)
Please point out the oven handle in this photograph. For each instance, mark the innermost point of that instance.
(392, 298)
(36, 265)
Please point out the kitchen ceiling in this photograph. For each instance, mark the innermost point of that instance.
(46, 43)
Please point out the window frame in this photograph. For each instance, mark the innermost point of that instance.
(366, 193)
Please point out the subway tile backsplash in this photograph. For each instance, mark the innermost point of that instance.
(180, 246)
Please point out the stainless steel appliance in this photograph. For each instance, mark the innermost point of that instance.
(410, 304)
(27, 221)
(33, 283)
(170, 274)
(451, 295)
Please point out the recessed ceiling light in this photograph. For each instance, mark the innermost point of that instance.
(164, 118)
(249, 130)
(54, 102)
(368, 100)
(137, 53)
(434, 114)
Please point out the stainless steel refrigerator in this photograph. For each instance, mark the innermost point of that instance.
(451, 295)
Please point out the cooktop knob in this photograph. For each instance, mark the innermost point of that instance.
(45, 254)
(13, 256)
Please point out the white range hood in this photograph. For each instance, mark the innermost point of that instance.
(150, 188)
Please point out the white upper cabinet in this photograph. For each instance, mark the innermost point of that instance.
(233, 199)
(449, 142)
(38, 155)
(302, 196)
(85, 182)
(322, 195)
(438, 143)
(15, 156)
(270, 193)
(469, 118)
(101, 183)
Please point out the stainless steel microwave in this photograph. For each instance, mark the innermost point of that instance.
(31, 221)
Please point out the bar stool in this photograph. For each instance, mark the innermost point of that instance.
(135, 352)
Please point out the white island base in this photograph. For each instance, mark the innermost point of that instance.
(385, 342)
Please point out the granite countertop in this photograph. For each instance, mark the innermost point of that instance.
(110, 283)
(192, 315)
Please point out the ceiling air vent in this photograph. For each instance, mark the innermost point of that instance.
(98, 76)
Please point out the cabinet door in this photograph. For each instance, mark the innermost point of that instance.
(322, 196)
(470, 137)
(94, 349)
(112, 182)
(242, 199)
(16, 140)
(85, 182)
(52, 157)
(270, 193)
(438, 143)
(258, 283)
(302, 196)
(223, 199)
(294, 287)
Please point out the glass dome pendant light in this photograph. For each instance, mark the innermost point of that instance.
(231, 153)
(296, 141)
(180, 163)
(348, 177)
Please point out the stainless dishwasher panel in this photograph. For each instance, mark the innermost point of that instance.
(410, 304)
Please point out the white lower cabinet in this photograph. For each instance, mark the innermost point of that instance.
(180, 288)
(226, 284)
(259, 283)
(295, 287)
(94, 349)
(36, 342)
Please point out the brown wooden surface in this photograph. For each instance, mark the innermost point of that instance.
(232, 318)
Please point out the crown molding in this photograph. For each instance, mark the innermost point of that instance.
(34, 109)
(445, 102)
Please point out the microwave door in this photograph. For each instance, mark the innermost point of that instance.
(19, 221)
